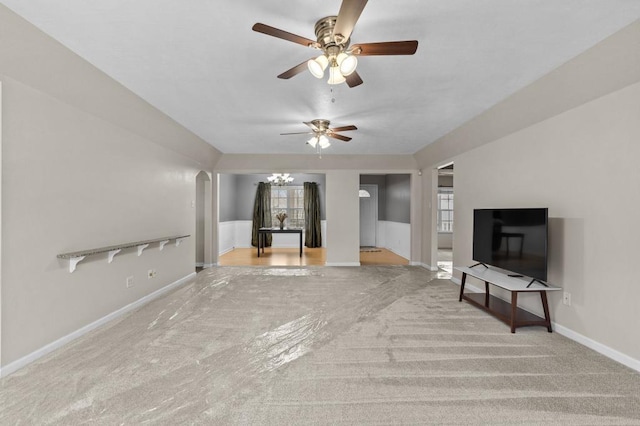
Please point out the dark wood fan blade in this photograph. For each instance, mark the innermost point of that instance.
(275, 32)
(344, 128)
(294, 71)
(353, 79)
(350, 11)
(408, 47)
(339, 137)
(298, 133)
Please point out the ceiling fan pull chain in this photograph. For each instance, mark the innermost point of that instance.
(333, 98)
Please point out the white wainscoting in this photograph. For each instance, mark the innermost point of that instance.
(396, 237)
(237, 234)
(226, 236)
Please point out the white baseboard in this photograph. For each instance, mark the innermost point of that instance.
(425, 266)
(33, 356)
(342, 264)
(576, 337)
(598, 347)
(226, 251)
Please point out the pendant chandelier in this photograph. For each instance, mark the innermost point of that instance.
(280, 179)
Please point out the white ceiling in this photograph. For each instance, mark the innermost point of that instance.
(200, 62)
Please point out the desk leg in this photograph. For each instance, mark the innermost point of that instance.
(545, 306)
(464, 278)
(486, 294)
(300, 244)
(514, 310)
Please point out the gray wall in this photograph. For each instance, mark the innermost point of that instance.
(227, 197)
(85, 163)
(240, 190)
(556, 143)
(398, 198)
(394, 196)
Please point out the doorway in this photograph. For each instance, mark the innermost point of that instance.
(445, 223)
(385, 219)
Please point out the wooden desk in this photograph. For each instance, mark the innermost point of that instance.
(508, 313)
(262, 232)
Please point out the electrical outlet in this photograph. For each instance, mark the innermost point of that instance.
(151, 273)
(566, 298)
(130, 281)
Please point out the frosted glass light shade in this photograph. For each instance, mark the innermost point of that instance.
(348, 65)
(313, 141)
(335, 76)
(324, 142)
(317, 66)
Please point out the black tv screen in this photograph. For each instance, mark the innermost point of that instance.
(512, 239)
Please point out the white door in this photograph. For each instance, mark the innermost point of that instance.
(369, 216)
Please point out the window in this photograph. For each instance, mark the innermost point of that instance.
(445, 209)
(289, 199)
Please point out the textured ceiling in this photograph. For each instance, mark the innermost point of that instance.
(200, 63)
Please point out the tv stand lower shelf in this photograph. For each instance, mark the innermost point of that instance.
(507, 312)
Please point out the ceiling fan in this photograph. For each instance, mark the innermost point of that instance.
(322, 132)
(333, 38)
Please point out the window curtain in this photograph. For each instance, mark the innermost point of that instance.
(261, 213)
(312, 233)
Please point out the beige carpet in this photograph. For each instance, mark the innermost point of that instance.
(369, 345)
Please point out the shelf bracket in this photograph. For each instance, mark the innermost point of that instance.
(141, 248)
(112, 254)
(179, 240)
(73, 261)
(163, 243)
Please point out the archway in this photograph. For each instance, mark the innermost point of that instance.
(203, 234)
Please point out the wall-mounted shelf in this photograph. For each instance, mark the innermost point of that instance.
(77, 256)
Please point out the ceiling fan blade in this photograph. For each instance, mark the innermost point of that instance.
(310, 124)
(344, 128)
(293, 71)
(298, 133)
(408, 47)
(275, 32)
(337, 136)
(353, 79)
(350, 11)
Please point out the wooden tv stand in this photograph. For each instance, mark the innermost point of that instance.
(507, 312)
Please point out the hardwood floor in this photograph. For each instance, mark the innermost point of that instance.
(310, 257)
(381, 256)
(274, 257)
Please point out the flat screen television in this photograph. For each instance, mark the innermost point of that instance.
(512, 239)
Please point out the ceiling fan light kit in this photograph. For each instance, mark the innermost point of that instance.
(333, 38)
(321, 132)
